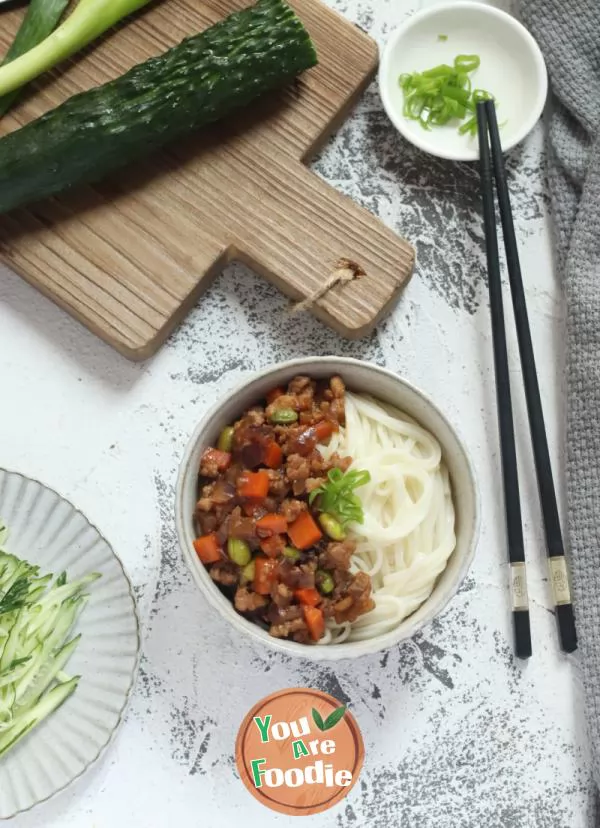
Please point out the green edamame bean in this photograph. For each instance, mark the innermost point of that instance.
(283, 416)
(248, 572)
(226, 439)
(332, 527)
(239, 551)
(325, 581)
(291, 552)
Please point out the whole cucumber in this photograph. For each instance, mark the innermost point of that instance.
(195, 83)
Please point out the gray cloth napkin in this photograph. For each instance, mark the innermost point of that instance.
(568, 32)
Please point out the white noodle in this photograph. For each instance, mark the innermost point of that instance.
(408, 531)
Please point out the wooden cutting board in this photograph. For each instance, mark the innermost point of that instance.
(129, 257)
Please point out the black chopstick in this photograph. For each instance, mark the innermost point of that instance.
(510, 477)
(554, 541)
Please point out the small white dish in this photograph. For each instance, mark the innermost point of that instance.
(512, 69)
(361, 377)
(47, 530)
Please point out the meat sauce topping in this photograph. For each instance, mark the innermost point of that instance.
(265, 539)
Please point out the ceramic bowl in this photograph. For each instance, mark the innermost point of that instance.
(512, 69)
(360, 377)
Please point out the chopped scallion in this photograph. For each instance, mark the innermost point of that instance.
(443, 93)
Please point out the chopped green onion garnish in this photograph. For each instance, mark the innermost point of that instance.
(438, 95)
(337, 498)
(443, 38)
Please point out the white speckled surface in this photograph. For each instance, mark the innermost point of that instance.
(456, 734)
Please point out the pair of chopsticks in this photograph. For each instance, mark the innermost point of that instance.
(487, 123)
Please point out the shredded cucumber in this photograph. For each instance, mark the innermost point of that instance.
(37, 614)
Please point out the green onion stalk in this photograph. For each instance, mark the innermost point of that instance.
(89, 20)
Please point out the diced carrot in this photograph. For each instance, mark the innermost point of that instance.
(273, 394)
(265, 575)
(273, 456)
(273, 547)
(307, 596)
(208, 549)
(323, 430)
(315, 621)
(271, 525)
(253, 484)
(221, 459)
(304, 532)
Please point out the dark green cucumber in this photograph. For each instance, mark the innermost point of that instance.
(197, 82)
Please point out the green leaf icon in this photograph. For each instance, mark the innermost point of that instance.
(317, 719)
(334, 718)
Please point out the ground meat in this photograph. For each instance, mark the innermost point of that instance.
(250, 443)
(274, 546)
(287, 628)
(342, 579)
(305, 401)
(223, 531)
(360, 588)
(290, 509)
(247, 601)
(302, 636)
(232, 473)
(313, 483)
(357, 601)
(282, 595)
(304, 442)
(297, 467)
(284, 432)
(253, 418)
(341, 606)
(226, 573)
(338, 462)
(338, 411)
(300, 383)
(337, 387)
(254, 510)
(252, 455)
(223, 511)
(337, 555)
(297, 577)
(284, 401)
(242, 528)
(209, 465)
(304, 390)
(310, 417)
(207, 522)
(256, 415)
(281, 615)
(278, 485)
(205, 503)
(301, 471)
(318, 464)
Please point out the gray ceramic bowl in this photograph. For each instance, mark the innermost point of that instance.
(360, 377)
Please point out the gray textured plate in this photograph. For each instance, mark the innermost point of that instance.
(49, 531)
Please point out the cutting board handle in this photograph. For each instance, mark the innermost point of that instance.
(307, 231)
